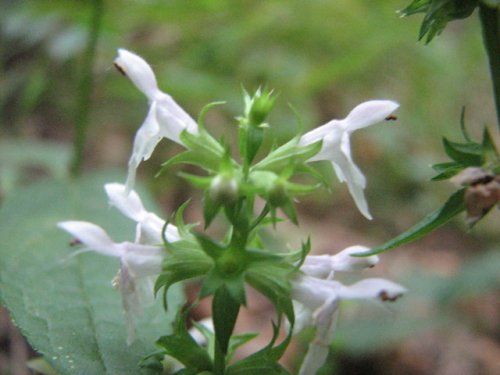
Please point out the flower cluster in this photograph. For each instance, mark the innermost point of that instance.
(318, 297)
(301, 286)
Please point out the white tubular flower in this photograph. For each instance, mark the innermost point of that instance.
(137, 262)
(322, 299)
(324, 266)
(165, 119)
(337, 147)
(149, 225)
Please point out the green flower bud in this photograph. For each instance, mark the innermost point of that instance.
(271, 187)
(224, 189)
(259, 106)
(277, 195)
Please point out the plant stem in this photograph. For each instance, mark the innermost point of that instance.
(490, 22)
(84, 91)
(219, 360)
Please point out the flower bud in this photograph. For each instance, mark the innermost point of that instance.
(277, 194)
(259, 106)
(223, 189)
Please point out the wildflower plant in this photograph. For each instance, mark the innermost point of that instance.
(249, 192)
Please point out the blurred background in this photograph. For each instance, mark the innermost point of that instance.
(323, 58)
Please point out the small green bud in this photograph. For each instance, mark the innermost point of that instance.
(271, 187)
(224, 189)
(258, 107)
(277, 195)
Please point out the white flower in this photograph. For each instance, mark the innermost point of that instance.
(337, 148)
(324, 266)
(137, 262)
(320, 300)
(149, 225)
(165, 119)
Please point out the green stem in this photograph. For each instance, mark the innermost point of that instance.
(84, 91)
(490, 22)
(219, 360)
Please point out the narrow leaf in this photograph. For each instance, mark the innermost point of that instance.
(451, 208)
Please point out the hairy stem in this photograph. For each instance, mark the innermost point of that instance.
(85, 85)
(490, 22)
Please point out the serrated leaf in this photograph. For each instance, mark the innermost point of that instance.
(453, 206)
(66, 307)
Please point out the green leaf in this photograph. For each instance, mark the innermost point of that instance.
(438, 13)
(184, 348)
(66, 306)
(489, 152)
(184, 262)
(224, 313)
(210, 209)
(468, 154)
(289, 152)
(193, 158)
(238, 340)
(265, 360)
(272, 280)
(17, 156)
(446, 170)
(453, 206)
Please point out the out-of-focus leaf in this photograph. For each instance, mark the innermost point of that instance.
(453, 206)
(66, 306)
(467, 154)
(15, 155)
(438, 13)
(446, 170)
(18, 156)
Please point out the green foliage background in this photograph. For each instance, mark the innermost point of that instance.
(323, 57)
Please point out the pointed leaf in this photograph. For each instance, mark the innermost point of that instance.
(451, 208)
(468, 154)
(224, 313)
(185, 349)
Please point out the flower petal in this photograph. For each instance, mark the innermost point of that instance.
(141, 265)
(146, 139)
(368, 113)
(343, 261)
(92, 236)
(128, 204)
(325, 319)
(138, 71)
(382, 289)
(351, 175)
(322, 266)
(173, 119)
(313, 292)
